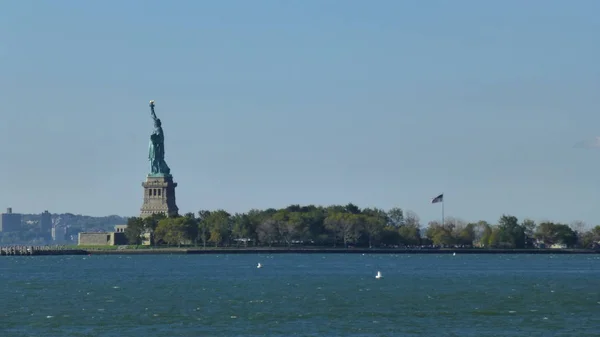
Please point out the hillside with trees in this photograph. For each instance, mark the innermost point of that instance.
(350, 226)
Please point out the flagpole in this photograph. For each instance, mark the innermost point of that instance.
(442, 211)
(439, 198)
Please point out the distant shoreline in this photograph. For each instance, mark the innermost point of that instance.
(213, 251)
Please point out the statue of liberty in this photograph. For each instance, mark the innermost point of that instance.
(156, 151)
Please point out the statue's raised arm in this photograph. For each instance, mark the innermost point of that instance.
(152, 110)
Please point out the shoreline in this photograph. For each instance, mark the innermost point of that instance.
(379, 251)
(213, 251)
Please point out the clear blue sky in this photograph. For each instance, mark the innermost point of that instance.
(271, 103)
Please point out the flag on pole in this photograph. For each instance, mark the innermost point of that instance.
(439, 198)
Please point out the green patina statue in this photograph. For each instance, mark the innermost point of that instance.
(156, 152)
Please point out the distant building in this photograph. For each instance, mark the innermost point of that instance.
(59, 233)
(46, 225)
(10, 222)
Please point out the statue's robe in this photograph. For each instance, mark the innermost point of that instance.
(156, 152)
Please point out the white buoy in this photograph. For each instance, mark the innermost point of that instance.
(259, 265)
(378, 276)
(453, 254)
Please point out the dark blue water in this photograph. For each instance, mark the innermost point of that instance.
(300, 295)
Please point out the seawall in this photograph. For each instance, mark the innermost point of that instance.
(29, 251)
(392, 251)
(200, 251)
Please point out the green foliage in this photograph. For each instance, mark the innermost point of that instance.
(590, 239)
(409, 235)
(218, 224)
(294, 225)
(507, 234)
(529, 227)
(242, 228)
(482, 234)
(138, 227)
(511, 233)
(395, 217)
(176, 231)
(465, 235)
(372, 222)
(347, 226)
(134, 230)
(440, 235)
(554, 233)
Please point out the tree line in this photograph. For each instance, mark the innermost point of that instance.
(350, 226)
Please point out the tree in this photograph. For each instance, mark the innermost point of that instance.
(390, 236)
(461, 233)
(579, 227)
(529, 227)
(151, 222)
(173, 231)
(345, 226)
(591, 239)
(465, 234)
(255, 218)
(482, 231)
(352, 225)
(313, 219)
(511, 234)
(134, 230)
(552, 233)
(190, 227)
(565, 235)
(395, 217)
(286, 226)
(373, 222)
(203, 226)
(545, 233)
(352, 209)
(334, 223)
(412, 219)
(219, 226)
(409, 235)
(267, 231)
(493, 240)
(241, 228)
(297, 225)
(440, 235)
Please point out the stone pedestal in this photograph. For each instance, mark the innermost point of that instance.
(159, 196)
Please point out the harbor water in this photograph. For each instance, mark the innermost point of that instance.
(300, 295)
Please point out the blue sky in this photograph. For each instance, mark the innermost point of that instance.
(271, 103)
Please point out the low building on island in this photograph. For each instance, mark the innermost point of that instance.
(116, 238)
(120, 228)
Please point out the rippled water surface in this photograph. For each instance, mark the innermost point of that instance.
(300, 295)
